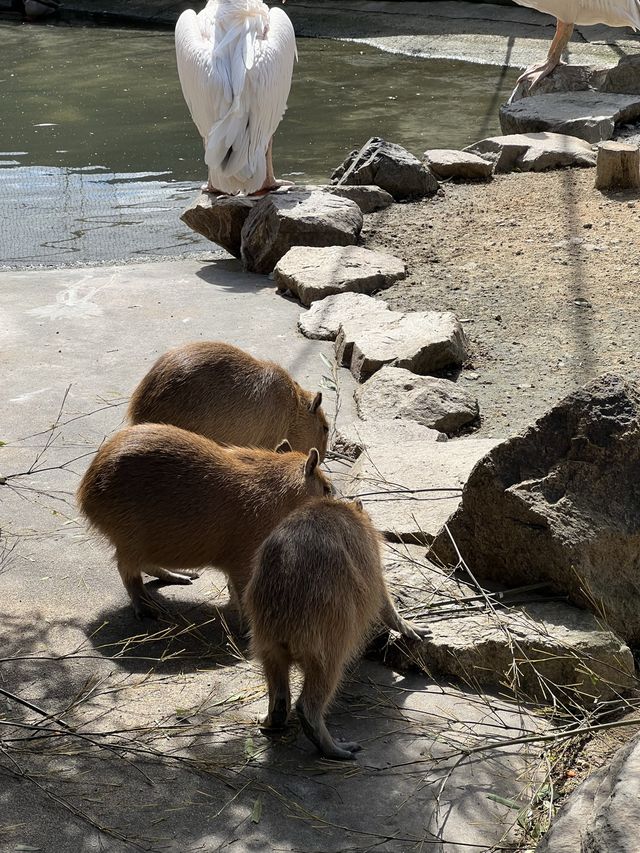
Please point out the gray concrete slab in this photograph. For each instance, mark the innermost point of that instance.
(163, 753)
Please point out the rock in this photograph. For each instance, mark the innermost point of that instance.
(534, 152)
(368, 198)
(219, 219)
(312, 273)
(463, 165)
(602, 814)
(420, 341)
(524, 647)
(591, 116)
(624, 77)
(357, 436)
(323, 319)
(298, 218)
(559, 503)
(389, 166)
(435, 403)
(437, 470)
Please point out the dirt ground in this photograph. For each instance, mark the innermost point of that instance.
(543, 270)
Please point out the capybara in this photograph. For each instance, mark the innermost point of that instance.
(313, 599)
(170, 499)
(224, 393)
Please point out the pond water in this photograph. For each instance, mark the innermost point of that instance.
(98, 154)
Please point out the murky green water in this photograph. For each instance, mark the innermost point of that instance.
(98, 153)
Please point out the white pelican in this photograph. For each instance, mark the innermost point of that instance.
(614, 13)
(235, 62)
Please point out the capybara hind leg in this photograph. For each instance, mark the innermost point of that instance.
(317, 692)
(276, 669)
(172, 577)
(235, 600)
(392, 619)
(143, 604)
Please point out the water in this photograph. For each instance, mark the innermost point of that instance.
(98, 154)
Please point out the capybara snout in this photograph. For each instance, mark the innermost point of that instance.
(225, 394)
(171, 502)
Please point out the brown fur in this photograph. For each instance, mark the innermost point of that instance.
(314, 598)
(219, 391)
(167, 499)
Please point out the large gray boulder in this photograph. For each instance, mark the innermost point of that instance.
(420, 341)
(560, 503)
(623, 78)
(591, 116)
(603, 814)
(435, 403)
(389, 166)
(313, 273)
(368, 198)
(323, 319)
(534, 152)
(298, 218)
(219, 219)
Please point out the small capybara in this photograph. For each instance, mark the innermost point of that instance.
(313, 599)
(170, 499)
(224, 393)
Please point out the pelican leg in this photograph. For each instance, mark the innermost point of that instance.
(535, 73)
(271, 182)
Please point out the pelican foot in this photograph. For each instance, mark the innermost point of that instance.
(274, 187)
(207, 188)
(530, 78)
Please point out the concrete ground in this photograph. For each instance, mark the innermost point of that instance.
(496, 34)
(144, 736)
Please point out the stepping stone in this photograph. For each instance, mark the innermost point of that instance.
(539, 643)
(591, 116)
(312, 274)
(219, 219)
(420, 341)
(462, 165)
(323, 319)
(301, 217)
(534, 152)
(387, 473)
(356, 436)
(435, 403)
(389, 166)
(368, 198)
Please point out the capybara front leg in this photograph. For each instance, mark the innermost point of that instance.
(319, 686)
(392, 619)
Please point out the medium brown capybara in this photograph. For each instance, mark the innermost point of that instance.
(316, 594)
(168, 499)
(224, 393)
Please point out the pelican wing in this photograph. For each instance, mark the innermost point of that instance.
(614, 13)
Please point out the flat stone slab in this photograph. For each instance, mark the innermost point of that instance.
(420, 341)
(313, 273)
(325, 316)
(534, 152)
(522, 646)
(591, 116)
(219, 219)
(461, 165)
(439, 404)
(301, 217)
(387, 165)
(410, 490)
(356, 436)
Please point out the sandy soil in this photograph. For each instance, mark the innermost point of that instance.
(543, 270)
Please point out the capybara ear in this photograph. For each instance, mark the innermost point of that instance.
(313, 460)
(283, 447)
(315, 403)
(358, 504)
